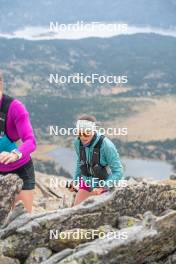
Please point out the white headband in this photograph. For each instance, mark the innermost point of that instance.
(83, 125)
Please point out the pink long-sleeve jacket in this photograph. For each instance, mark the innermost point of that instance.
(18, 127)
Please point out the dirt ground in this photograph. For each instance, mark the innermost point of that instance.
(155, 121)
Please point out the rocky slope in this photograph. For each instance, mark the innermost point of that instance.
(132, 224)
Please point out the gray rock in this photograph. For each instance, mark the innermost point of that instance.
(18, 210)
(141, 246)
(149, 219)
(171, 259)
(58, 257)
(29, 232)
(10, 186)
(38, 255)
(132, 181)
(127, 221)
(6, 260)
(140, 179)
(173, 177)
(71, 238)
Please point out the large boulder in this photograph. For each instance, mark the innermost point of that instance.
(6, 260)
(28, 232)
(143, 244)
(10, 186)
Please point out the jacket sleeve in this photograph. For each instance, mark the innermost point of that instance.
(77, 173)
(113, 160)
(24, 128)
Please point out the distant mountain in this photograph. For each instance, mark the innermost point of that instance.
(18, 14)
(147, 59)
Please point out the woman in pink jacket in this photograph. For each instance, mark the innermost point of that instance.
(15, 125)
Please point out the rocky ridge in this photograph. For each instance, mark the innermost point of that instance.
(138, 223)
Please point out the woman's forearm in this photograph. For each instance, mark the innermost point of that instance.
(26, 134)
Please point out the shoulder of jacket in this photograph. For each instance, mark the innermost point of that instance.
(107, 143)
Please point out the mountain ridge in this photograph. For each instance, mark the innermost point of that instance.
(19, 14)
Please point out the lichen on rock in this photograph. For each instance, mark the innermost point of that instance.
(10, 186)
(142, 211)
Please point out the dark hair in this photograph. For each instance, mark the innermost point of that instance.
(87, 117)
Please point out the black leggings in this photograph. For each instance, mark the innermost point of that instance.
(26, 173)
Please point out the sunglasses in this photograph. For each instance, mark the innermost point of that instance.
(81, 134)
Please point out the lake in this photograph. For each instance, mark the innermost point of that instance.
(149, 169)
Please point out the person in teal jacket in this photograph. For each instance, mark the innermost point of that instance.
(108, 163)
(6, 144)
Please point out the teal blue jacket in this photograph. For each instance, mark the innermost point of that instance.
(109, 156)
(6, 144)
